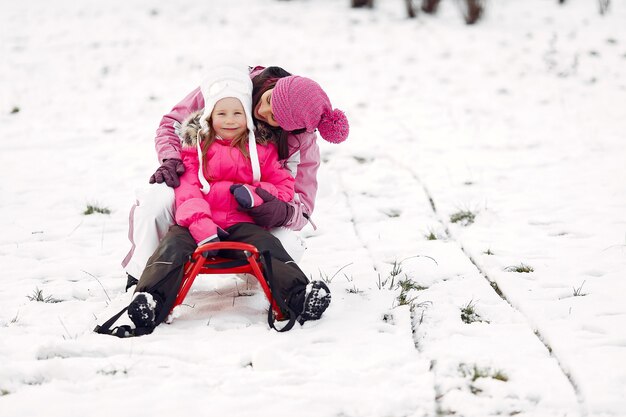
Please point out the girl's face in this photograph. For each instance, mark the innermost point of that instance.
(229, 118)
(263, 110)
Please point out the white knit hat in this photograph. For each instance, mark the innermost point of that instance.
(229, 81)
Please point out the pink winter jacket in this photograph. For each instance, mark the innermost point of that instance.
(224, 166)
(303, 160)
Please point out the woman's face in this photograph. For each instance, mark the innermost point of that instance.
(263, 110)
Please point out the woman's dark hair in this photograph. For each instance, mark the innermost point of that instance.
(264, 81)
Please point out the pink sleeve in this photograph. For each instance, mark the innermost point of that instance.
(167, 142)
(192, 210)
(274, 178)
(305, 161)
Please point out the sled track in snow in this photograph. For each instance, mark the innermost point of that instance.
(492, 283)
(364, 244)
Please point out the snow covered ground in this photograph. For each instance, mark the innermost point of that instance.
(475, 152)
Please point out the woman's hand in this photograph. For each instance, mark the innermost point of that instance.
(168, 172)
(271, 213)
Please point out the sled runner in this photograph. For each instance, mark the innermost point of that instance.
(200, 264)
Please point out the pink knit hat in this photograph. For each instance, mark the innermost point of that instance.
(299, 102)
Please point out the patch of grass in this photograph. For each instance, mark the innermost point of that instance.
(4, 392)
(500, 376)
(392, 212)
(354, 290)
(431, 235)
(488, 252)
(95, 208)
(469, 314)
(390, 281)
(328, 279)
(362, 160)
(463, 217)
(113, 372)
(521, 268)
(12, 321)
(96, 278)
(423, 305)
(408, 284)
(405, 285)
(404, 300)
(396, 270)
(474, 372)
(578, 292)
(38, 296)
(69, 336)
(396, 266)
(381, 284)
(15, 110)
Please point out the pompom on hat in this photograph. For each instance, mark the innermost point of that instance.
(299, 102)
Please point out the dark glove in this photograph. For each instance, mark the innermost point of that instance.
(272, 213)
(245, 195)
(168, 172)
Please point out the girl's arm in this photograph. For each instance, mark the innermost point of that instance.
(192, 210)
(167, 141)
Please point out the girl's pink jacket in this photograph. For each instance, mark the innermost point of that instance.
(223, 167)
(303, 160)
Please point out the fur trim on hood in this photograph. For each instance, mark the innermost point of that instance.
(190, 128)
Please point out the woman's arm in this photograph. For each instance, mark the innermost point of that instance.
(303, 163)
(167, 141)
(274, 178)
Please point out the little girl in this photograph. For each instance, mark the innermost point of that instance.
(226, 172)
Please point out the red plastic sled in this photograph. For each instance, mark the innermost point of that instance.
(199, 264)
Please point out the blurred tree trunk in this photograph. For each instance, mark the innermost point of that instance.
(362, 3)
(474, 11)
(410, 10)
(430, 6)
(604, 5)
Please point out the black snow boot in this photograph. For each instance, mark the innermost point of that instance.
(316, 301)
(142, 310)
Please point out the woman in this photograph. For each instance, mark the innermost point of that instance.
(287, 110)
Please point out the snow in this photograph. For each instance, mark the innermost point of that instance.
(519, 120)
